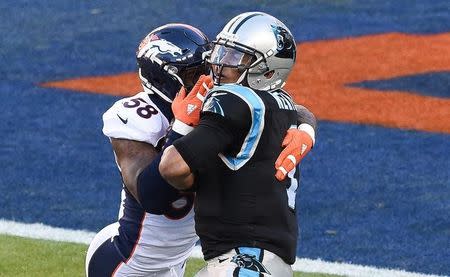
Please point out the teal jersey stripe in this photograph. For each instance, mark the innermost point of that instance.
(257, 110)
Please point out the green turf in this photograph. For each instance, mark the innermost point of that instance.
(30, 257)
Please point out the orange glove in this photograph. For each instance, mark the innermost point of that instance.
(297, 143)
(186, 108)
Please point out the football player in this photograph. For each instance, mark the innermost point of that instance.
(155, 232)
(245, 217)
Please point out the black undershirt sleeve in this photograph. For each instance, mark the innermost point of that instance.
(306, 116)
(212, 136)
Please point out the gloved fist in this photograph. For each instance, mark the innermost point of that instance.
(297, 143)
(186, 108)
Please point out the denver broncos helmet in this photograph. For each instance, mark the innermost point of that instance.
(171, 56)
(260, 46)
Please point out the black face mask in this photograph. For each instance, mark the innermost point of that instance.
(191, 74)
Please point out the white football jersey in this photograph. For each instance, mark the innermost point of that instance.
(135, 118)
(163, 242)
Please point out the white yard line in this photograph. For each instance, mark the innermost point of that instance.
(41, 231)
(319, 266)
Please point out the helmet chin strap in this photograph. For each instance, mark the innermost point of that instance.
(216, 77)
(168, 70)
(242, 77)
(211, 74)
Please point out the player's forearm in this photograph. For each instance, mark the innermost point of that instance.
(139, 164)
(154, 192)
(175, 170)
(132, 157)
(305, 116)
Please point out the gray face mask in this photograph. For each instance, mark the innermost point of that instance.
(223, 56)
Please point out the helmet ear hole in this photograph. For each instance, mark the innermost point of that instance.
(269, 74)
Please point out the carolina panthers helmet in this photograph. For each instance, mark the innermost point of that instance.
(171, 56)
(260, 46)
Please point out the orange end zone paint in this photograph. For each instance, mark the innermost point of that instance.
(325, 67)
(125, 84)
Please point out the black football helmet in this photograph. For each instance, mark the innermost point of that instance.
(171, 56)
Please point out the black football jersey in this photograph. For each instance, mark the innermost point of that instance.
(239, 202)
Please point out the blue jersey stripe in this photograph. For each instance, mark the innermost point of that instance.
(257, 110)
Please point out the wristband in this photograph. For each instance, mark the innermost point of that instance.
(181, 127)
(309, 130)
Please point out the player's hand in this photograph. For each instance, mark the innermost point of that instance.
(186, 108)
(297, 144)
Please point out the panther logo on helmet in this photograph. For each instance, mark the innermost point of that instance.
(285, 42)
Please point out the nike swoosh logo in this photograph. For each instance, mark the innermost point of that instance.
(222, 260)
(125, 121)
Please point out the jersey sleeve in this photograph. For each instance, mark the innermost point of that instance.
(205, 142)
(229, 105)
(243, 111)
(135, 118)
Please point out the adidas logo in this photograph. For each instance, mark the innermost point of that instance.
(304, 146)
(191, 108)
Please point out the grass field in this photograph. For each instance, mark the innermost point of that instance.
(30, 257)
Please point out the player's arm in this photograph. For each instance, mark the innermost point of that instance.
(175, 170)
(186, 110)
(132, 157)
(134, 136)
(305, 116)
(154, 193)
(138, 163)
(218, 129)
(192, 152)
(297, 142)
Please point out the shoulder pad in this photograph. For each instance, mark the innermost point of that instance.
(243, 108)
(234, 102)
(135, 118)
(283, 99)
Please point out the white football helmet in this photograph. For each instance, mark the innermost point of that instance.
(266, 40)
